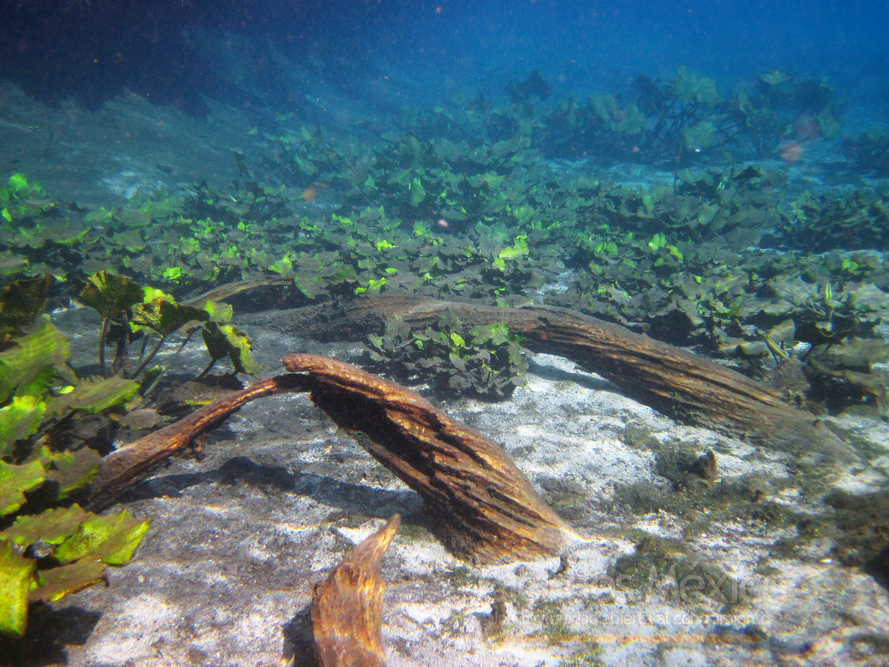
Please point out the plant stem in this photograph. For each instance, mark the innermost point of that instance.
(102, 336)
(121, 354)
(207, 369)
(150, 356)
(142, 349)
(154, 382)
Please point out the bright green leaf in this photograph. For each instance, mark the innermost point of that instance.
(110, 294)
(52, 526)
(657, 242)
(27, 368)
(15, 481)
(283, 265)
(165, 317)
(418, 192)
(223, 339)
(95, 395)
(150, 294)
(112, 539)
(218, 311)
(18, 182)
(172, 273)
(519, 248)
(19, 420)
(57, 582)
(15, 582)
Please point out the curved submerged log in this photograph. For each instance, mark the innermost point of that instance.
(347, 607)
(484, 508)
(692, 389)
(481, 505)
(124, 467)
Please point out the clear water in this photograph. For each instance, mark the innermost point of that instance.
(116, 105)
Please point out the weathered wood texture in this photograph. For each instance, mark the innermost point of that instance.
(484, 508)
(126, 466)
(347, 607)
(690, 388)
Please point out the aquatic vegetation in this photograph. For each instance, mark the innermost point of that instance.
(684, 115)
(662, 260)
(50, 450)
(856, 221)
(485, 362)
(869, 152)
(659, 567)
(500, 202)
(137, 312)
(552, 620)
(842, 374)
(703, 500)
(307, 158)
(54, 428)
(675, 121)
(461, 203)
(534, 86)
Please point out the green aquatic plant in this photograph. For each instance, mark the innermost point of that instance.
(142, 312)
(21, 302)
(53, 430)
(660, 567)
(60, 551)
(48, 550)
(112, 297)
(869, 152)
(486, 362)
(855, 221)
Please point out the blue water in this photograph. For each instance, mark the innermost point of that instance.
(112, 103)
(95, 50)
(583, 45)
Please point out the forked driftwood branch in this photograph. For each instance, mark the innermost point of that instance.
(481, 505)
(347, 607)
(124, 467)
(484, 508)
(688, 387)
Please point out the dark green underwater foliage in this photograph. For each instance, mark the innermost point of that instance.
(51, 425)
(55, 427)
(869, 152)
(465, 201)
(485, 362)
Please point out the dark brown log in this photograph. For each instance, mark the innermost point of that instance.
(347, 607)
(687, 387)
(484, 508)
(126, 466)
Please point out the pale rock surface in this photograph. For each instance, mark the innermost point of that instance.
(237, 541)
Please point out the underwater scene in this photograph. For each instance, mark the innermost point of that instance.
(529, 333)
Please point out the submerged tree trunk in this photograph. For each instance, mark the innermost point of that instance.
(482, 506)
(687, 387)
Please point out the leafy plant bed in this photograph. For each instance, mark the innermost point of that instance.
(55, 427)
(487, 363)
